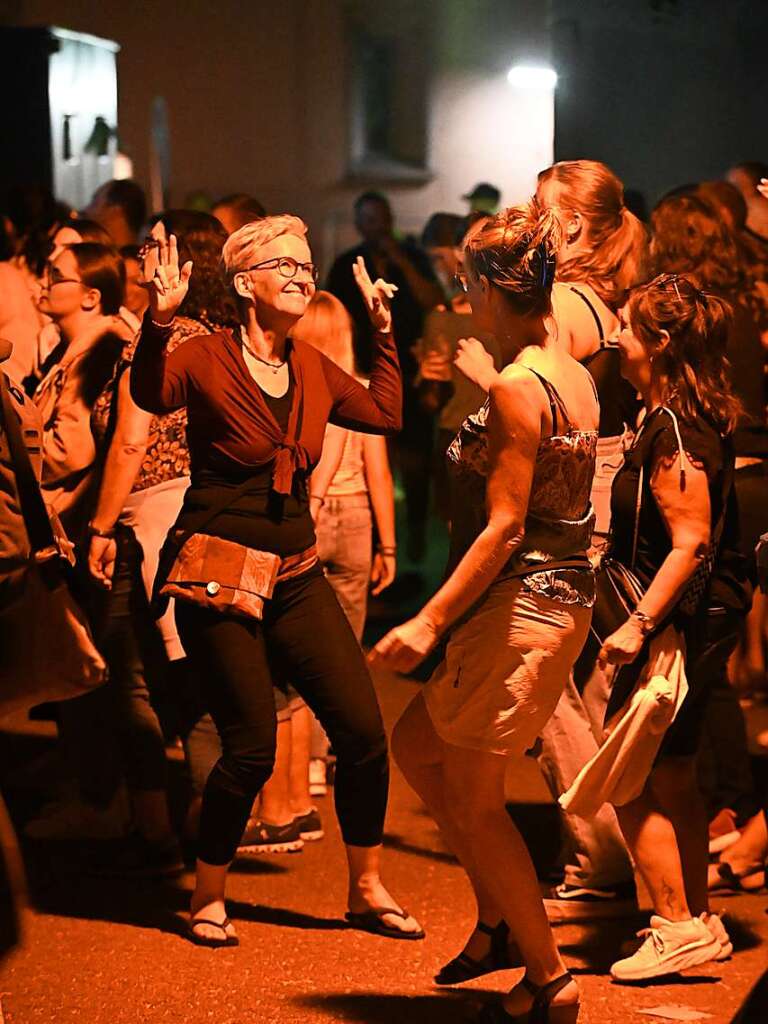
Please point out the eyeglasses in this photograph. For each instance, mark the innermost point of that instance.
(288, 267)
(53, 276)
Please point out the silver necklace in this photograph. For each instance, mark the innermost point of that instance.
(274, 367)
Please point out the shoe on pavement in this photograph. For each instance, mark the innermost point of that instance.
(140, 858)
(73, 818)
(669, 947)
(310, 825)
(260, 837)
(318, 783)
(715, 924)
(723, 831)
(567, 902)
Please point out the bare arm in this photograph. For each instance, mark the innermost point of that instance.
(325, 470)
(381, 489)
(686, 514)
(514, 432)
(121, 467)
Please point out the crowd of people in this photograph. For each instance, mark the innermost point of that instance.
(580, 396)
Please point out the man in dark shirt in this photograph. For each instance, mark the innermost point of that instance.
(407, 266)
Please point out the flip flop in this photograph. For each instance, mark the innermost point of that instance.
(373, 921)
(205, 940)
(728, 880)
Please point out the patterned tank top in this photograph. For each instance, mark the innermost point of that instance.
(551, 559)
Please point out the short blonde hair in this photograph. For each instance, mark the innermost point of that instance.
(242, 247)
(328, 326)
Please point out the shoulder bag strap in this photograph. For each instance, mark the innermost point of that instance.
(33, 508)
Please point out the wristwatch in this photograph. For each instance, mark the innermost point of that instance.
(94, 531)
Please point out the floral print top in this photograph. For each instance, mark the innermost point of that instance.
(559, 520)
(167, 455)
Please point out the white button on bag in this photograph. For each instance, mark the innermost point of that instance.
(213, 588)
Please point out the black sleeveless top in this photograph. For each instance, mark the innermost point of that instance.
(619, 403)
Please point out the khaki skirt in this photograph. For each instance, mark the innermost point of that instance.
(505, 669)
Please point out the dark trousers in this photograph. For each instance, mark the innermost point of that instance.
(304, 638)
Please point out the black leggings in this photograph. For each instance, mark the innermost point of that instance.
(305, 639)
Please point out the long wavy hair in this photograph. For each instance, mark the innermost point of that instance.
(694, 362)
(517, 252)
(201, 238)
(690, 238)
(328, 326)
(612, 259)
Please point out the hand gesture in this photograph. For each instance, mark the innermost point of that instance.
(475, 362)
(622, 646)
(166, 283)
(376, 295)
(404, 647)
(383, 572)
(101, 560)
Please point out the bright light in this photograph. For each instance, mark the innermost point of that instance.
(523, 76)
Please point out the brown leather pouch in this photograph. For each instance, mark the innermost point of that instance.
(222, 575)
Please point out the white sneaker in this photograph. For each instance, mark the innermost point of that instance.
(715, 925)
(669, 947)
(317, 777)
(73, 818)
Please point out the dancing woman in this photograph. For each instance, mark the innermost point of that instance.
(518, 594)
(258, 404)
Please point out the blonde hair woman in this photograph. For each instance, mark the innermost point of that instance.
(517, 599)
(258, 401)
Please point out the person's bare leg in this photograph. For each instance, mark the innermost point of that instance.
(366, 889)
(474, 786)
(652, 842)
(208, 899)
(298, 777)
(749, 853)
(418, 751)
(274, 800)
(676, 790)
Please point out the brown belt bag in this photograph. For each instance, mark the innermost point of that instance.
(222, 574)
(229, 577)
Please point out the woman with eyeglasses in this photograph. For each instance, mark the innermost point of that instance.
(82, 293)
(675, 525)
(258, 404)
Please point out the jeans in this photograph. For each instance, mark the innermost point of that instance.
(570, 738)
(344, 535)
(305, 638)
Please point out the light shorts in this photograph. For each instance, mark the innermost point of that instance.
(505, 669)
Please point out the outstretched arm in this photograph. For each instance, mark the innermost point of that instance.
(514, 432)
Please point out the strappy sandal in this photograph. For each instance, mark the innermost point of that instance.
(728, 880)
(465, 967)
(542, 1011)
(373, 921)
(206, 940)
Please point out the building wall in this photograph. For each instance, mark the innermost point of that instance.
(258, 97)
(664, 91)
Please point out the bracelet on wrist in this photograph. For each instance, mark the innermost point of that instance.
(94, 531)
(316, 497)
(646, 623)
(386, 551)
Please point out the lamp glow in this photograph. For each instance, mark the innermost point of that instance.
(525, 76)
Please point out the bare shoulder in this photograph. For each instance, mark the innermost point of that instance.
(517, 394)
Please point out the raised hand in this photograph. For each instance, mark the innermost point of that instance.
(166, 283)
(475, 362)
(377, 296)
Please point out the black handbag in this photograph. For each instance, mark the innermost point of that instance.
(619, 591)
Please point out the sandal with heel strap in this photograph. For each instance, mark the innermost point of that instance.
(542, 1011)
(465, 967)
(727, 880)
